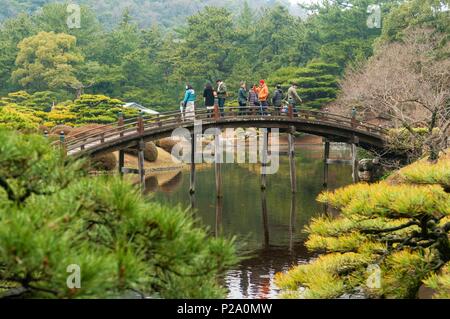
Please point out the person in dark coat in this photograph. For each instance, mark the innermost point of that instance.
(242, 99)
(208, 95)
(277, 99)
(253, 100)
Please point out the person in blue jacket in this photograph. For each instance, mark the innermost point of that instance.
(189, 103)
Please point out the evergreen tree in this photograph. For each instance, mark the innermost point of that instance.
(52, 215)
(317, 82)
(388, 241)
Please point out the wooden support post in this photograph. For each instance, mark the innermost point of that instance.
(218, 164)
(159, 120)
(216, 109)
(265, 150)
(326, 166)
(355, 163)
(121, 123)
(291, 111)
(291, 139)
(193, 147)
(141, 163)
(121, 161)
(62, 142)
(140, 124)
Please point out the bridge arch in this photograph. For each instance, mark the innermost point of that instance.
(129, 133)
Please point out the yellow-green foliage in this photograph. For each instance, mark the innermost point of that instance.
(391, 201)
(322, 279)
(350, 242)
(427, 173)
(392, 227)
(334, 227)
(403, 273)
(60, 114)
(12, 118)
(26, 111)
(440, 283)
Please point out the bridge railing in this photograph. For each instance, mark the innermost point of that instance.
(137, 126)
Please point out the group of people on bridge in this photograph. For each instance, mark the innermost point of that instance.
(255, 100)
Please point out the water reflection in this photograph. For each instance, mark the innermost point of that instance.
(292, 222)
(269, 222)
(265, 219)
(219, 210)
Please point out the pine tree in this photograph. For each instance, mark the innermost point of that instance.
(52, 216)
(389, 240)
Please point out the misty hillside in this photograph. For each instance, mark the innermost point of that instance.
(166, 13)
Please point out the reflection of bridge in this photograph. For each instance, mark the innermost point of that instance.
(133, 133)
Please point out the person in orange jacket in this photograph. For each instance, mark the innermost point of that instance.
(263, 96)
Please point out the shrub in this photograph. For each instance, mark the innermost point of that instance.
(12, 118)
(53, 215)
(104, 162)
(401, 230)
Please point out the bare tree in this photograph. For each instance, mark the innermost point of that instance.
(406, 86)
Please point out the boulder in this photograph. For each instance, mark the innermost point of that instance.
(150, 152)
(167, 144)
(104, 162)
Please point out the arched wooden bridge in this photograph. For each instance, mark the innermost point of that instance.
(128, 133)
(133, 133)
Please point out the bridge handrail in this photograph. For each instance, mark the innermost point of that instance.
(113, 127)
(145, 122)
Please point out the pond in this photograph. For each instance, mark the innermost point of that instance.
(270, 224)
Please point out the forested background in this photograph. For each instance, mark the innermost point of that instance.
(145, 12)
(146, 51)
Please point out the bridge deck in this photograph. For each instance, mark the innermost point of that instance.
(127, 133)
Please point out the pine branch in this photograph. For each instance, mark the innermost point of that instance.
(388, 230)
(13, 292)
